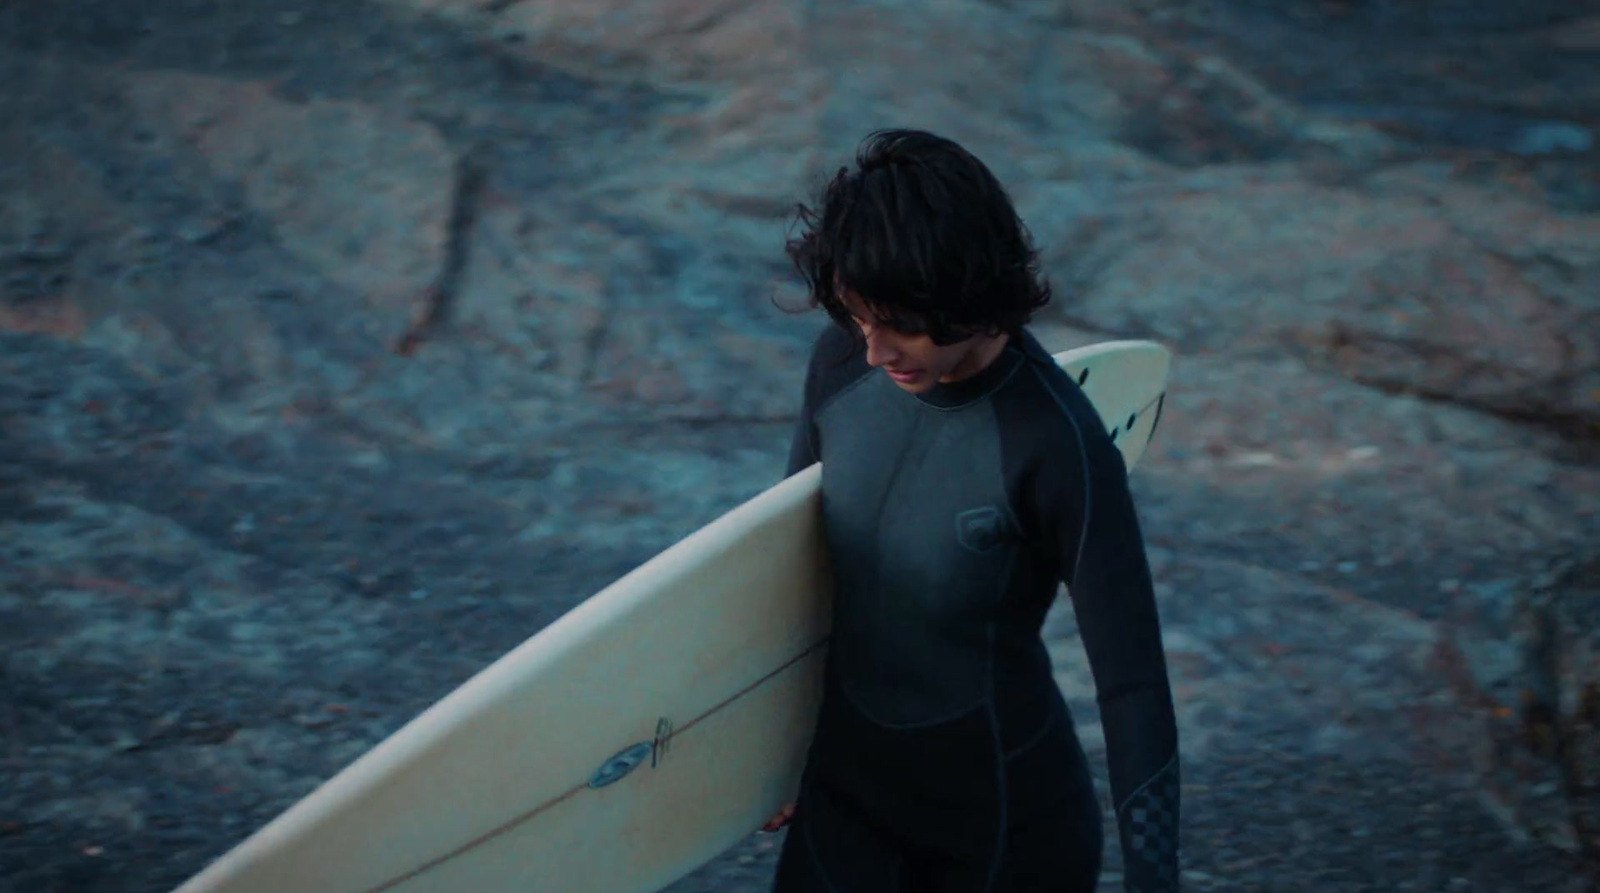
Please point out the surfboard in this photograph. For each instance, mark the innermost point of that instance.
(633, 739)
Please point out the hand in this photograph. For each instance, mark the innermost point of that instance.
(779, 820)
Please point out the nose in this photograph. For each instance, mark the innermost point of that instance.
(881, 349)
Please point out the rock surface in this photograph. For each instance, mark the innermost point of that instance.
(344, 346)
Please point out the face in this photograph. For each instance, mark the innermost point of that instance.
(914, 362)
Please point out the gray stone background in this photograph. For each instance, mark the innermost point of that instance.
(344, 345)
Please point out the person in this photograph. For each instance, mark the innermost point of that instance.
(960, 485)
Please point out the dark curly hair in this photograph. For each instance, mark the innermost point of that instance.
(928, 238)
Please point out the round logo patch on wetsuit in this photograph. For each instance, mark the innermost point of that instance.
(981, 529)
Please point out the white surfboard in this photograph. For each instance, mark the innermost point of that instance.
(630, 741)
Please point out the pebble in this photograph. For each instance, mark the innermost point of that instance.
(1552, 138)
(1255, 460)
(39, 250)
(201, 230)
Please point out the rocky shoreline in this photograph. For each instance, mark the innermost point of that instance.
(343, 347)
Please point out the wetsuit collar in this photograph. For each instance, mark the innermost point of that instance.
(988, 379)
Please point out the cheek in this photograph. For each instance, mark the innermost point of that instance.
(923, 353)
(946, 358)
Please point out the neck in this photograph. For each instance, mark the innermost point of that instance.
(985, 350)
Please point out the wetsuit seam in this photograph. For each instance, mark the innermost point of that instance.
(975, 400)
(1005, 488)
(827, 403)
(991, 663)
(1044, 730)
(816, 861)
(1171, 761)
(983, 700)
(1002, 818)
(1083, 455)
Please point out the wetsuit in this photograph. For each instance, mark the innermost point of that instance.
(945, 758)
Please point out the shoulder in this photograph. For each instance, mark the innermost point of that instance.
(837, 360)
(1055, 447)
(1044, 409)
(1042, 432)
(835, 346)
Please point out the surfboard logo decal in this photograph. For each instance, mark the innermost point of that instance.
(618, 767)
(658, 747)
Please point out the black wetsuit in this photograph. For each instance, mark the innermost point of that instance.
(945, 758)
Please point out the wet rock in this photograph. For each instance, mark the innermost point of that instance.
(1522, 658)
(1479, 328)
(1432, 16)
(1481, 130)
(675, 40)
(358, 192)
(1378, 284)
(51, 214)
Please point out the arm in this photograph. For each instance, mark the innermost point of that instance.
(1114, 602)
(803, 453)
(803, 448)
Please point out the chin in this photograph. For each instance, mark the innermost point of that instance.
(921, 385)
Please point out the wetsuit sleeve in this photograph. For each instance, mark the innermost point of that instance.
(1114, 601)
(803, 449)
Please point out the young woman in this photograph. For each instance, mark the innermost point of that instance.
(960, 485)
